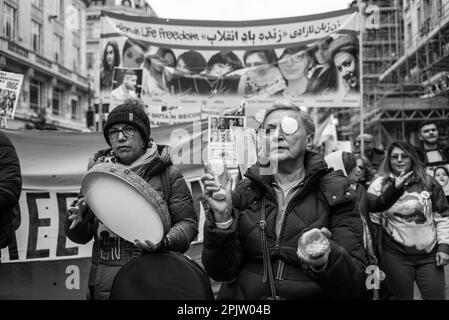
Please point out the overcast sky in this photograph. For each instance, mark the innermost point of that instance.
(242, 9)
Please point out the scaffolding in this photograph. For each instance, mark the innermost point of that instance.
(412, 87)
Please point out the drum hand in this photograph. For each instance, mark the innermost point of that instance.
(221, 206)
(77, 211)
(147, 246)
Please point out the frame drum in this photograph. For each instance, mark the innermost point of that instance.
(126, 203)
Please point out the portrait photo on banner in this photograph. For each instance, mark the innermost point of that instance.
(126, 84)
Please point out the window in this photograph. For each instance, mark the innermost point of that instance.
(58, 7)
(90, 31)
(36, 36)
(37, 3)
(35, 94)
(90, 57)
(57, 101)
(76, 58)
(9, 22)
(74, 106)
(57, 48)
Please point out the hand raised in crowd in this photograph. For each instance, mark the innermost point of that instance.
(403, 180)
(77, 210)
(314, 247)
(442, 259)
(218, 197)
(148, 246)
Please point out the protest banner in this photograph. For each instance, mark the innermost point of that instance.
(10, 86)
(203, 67)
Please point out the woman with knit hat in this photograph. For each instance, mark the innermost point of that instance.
(127, 131)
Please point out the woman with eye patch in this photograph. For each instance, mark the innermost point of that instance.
(290, 229)
(414, 232)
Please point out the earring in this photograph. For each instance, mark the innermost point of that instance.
(309, 147)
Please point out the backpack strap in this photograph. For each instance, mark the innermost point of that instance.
(267, 268)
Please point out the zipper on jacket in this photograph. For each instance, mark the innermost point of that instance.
(286, 211)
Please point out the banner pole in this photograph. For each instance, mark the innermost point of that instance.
(100, 102)
(362, 113)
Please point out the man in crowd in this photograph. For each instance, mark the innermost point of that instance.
(374, 155)
(430, 151)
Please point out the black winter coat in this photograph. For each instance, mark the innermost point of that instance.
(183, 231)
(10, 187)
(325, 200)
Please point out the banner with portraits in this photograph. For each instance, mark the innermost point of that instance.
(194, 69)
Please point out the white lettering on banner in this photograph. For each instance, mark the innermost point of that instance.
(235, 36)
(73, 280)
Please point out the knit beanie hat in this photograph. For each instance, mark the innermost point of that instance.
(131, 112)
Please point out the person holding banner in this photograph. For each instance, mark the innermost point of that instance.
(290, 231)
(10, 188)
(127, 130)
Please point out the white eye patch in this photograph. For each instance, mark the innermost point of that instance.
(289, 125)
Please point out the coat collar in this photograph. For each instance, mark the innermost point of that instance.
(314, 164)
(159, 160)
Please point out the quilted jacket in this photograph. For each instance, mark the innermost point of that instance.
(326, 200)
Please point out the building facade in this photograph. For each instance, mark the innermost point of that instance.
(94, 54)
(415, 86)
(46, 42)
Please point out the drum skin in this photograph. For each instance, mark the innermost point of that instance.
(125, 203)
(162, 276)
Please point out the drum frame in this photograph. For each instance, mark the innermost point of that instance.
(138, 184)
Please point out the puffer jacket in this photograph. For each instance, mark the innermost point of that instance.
(10, 188)
(109, 254)
(325, 200)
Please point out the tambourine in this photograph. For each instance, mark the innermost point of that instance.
(126, 203)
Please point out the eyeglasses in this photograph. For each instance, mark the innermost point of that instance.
(398, 157)
(127, 131)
